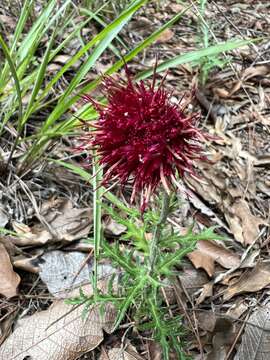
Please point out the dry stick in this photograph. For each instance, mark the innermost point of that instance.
(236, 28)
(177, 288)
(230, 317)
(236, 338)
(85, 261)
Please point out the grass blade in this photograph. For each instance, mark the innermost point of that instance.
(39, 78)
(108, 33)
(89, 178)
(196, 55)
(15, 78)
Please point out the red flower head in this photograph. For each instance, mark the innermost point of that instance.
(142, 137)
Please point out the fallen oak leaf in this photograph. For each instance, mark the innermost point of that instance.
(63, 271)
(58, 333)
(251, 281)
(202, 261)
(244, 225)
(255, 341)
(64, 223)
(192, 280)
(248, 73)
(208, 252)
(9, 280)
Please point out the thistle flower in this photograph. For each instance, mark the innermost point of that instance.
(142, 137)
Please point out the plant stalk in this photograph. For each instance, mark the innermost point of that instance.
(158, 231)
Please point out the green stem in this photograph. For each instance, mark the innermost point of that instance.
(97, 198)
(158, 231)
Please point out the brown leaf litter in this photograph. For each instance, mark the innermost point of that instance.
(208, 252)
(126, 352)
(9, 280)
(58, 333)
(255, 341)
(61, 222)
(251, 281)
(242, 223)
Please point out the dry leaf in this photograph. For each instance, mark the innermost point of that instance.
(8, 20)
(30, 263)
(81, 246)
(59, 333)
(208, 252)
(36, 235)
(220, 329)
(250, 281)
(192, 280)
(237, 309)
(62, 59)
(113, 228)
(248, 73)
(9, 280)
(243, 224)
(165, 36)
(154, 350)
(255, 343)
(62, 271)
(3, 217)
(207, 291)
(121, 353)
(221, 92)
(6, 325)
(53, 67)
(206, 320)
(62, 222)
(224, 335)
(260, 70)
(10, 247)
(176, 7)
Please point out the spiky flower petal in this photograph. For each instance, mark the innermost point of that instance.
(142, 137)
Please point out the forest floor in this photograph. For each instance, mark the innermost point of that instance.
(224, 287)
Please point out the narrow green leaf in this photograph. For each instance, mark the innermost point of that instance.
(196, 55)
(15, 77)
(170, 260)
(113, 253)
(108, 34)
(89, 178)
(101, 22)
(36, 31)
(130, 298)
(148, 41)
(39, 79)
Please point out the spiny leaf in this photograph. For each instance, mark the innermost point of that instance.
(170, 260)
(130, 298)
(113, 252)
